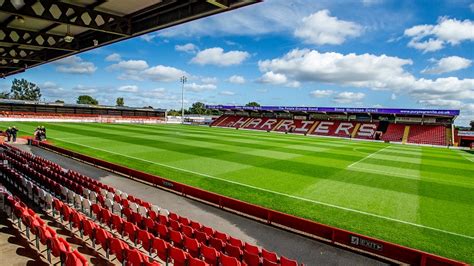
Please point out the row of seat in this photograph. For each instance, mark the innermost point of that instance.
(87, 227)
(44, 234)
(168, 225)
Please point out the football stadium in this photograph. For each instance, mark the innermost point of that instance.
(217, 183)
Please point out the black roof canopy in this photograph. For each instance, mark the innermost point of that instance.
(34, 32)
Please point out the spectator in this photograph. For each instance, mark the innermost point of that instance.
(14, 131)
(9, 133)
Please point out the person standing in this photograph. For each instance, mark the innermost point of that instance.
(9, 133)
(14, 131)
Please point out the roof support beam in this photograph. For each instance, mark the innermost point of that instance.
(64, 13)
(36, 39)
(22, 54)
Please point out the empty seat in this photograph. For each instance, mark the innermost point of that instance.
(74, 258)
(287, 262)
(192, 246)
(178, 256)
(270, 256)
(251, 248)
(210, 254)
(229, 261)
(160, 247)
(251, 259)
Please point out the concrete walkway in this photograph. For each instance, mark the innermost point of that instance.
(305, 250)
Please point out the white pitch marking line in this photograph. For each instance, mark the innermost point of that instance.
(279, 193)
(367, 157)
(466, 157)
(375, 171)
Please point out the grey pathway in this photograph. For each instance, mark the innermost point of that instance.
(305, 250)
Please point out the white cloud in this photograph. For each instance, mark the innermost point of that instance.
(128, 88)
(199, 87)
(113, 58)
(227, 93)
(429, 38)
(349, 97)
(149, 37)
(393, 96)
(448, 64)
(320, 28)
(364, 71)
(209, 80)
(139, 69)
(321, 93)
(164, 73)
(236, 79)
(273, 78)
(130, 65)
(75, 65)
(84, 89)
(217, 56)
(187, 48)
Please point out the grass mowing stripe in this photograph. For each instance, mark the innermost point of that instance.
(275, 192)
(368, 156)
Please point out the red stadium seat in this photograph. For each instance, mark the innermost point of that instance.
(130, 230)
(269, 263)
(208, 230)
(144, 238)
(175, 225)
(176, 238)
(178, 256)
(216, 243)
(287, 262)
(251, 259)
(173, 216)
(251, 248)
(222, 236)
(210, 254)
(236, 242)
(101, 237)
(233, 251)
(187, 231)
(59, 246)
(74, 258)
(117, 248)
(116, 223)
(135, 257)
(201, 237)
(270, 256)
(160, 247)
(196, 225)
(229, 261)
(196, 262)
(192, 246)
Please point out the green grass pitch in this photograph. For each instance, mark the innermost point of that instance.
(420, 197)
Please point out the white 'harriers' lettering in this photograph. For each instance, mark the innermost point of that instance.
(367, 130)
(344, 127)
(285, 124)
(240, 122)
(254, 123)
(268, 124)
(304, 126)
(323, 127)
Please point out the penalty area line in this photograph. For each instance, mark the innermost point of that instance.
(278, 193)
(368, 156)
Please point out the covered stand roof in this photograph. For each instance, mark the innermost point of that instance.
(34, 32)
(354, 110)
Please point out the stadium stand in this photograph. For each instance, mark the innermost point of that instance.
(416, 126)
(133, 231)
(394, 133)
(427, 134)
(15, 110)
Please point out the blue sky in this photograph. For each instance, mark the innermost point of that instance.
(370, 53)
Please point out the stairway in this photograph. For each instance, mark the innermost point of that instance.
(405, 134)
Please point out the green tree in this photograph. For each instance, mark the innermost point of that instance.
(173, 112)
(86, 99)
(4, 95)
(472, 125)
(59, 101)
(22, 89)
(198, 108)
(253, 104)
(120, 101)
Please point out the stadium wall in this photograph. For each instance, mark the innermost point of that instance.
(330, 234)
